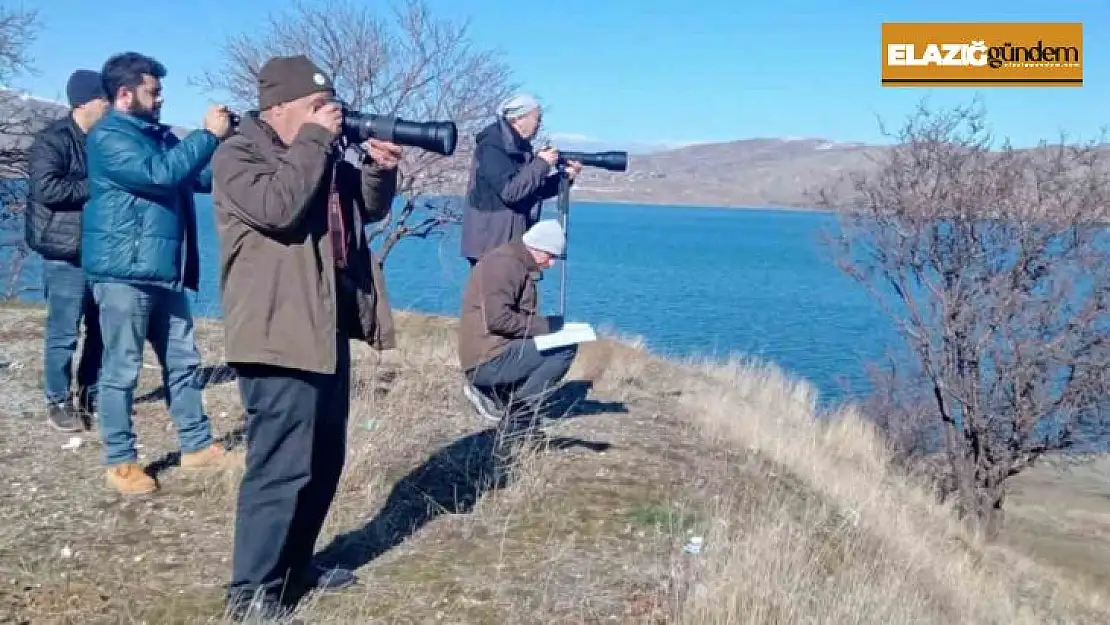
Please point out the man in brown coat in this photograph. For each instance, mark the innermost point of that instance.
(500, 317)
(298, 281)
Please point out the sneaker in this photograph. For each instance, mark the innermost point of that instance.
(130, 479)
(215, 456)
(483, 405)
(62, 417)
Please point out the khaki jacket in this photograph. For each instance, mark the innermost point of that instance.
(278, 281)
(500, 303)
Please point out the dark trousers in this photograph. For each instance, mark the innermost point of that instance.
(524, 377)
(296, 443)
(69, 298)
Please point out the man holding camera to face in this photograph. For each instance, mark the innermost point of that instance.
(298, 281)
(140, 252)
(508, 179)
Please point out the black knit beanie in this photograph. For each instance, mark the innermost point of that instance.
(84, 86)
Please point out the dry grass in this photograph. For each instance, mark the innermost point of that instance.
(804, 522)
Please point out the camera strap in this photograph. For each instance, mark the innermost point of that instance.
(337, 226)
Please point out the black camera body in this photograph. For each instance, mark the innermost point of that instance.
(440, 137)
(612, 161)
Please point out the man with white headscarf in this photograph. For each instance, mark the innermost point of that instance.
(508, 181)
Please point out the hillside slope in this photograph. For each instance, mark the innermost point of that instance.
(751, 172)
(802, 522)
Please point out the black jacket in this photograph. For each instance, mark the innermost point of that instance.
(507, 184)
(58, 191)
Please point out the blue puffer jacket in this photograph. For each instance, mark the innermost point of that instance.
(139, 225)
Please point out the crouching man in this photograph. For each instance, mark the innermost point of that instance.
(496, 350)
(298, 281)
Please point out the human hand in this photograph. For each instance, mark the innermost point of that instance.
(330, 116)
(549, 154)
(218, 120)
(572, 169)
(384, 153)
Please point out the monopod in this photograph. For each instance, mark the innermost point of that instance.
(564, 216)
(612, 161)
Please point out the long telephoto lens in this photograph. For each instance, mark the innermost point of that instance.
(439, 137)
(612, 161)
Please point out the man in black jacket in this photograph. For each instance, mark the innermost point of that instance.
(508, 181)
(58, 191)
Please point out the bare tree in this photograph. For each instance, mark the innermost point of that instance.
(995, 266)
(404, 62)
(20, 118)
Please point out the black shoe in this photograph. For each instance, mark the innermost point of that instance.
(62, 417)
(321, 578)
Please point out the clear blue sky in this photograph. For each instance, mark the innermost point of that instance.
(639, 71)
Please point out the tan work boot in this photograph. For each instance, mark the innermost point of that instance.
(130, 479)
(212, 457)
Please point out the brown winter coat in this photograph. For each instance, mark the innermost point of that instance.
(277, 279)
(500, 303)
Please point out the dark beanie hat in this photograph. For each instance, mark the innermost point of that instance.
(286, 78)
(84, 86)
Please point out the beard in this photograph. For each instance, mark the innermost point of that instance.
(149, 113)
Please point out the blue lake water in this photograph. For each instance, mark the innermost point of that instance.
(690, 281)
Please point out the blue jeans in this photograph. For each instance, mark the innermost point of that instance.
(69, 298)
(128, 315)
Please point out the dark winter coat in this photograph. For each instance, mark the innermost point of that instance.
(500, 303)
(140, 222)
(283, 300)
(507, 184)
(58, 190)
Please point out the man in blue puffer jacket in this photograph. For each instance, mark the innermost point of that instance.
(139, 250)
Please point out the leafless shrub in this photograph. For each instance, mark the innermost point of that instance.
(403, 62)
(995, 266)
(20, 118)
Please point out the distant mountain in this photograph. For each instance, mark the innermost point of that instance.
(15, 105)
(750, 172)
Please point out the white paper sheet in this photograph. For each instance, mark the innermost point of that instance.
(569, 334)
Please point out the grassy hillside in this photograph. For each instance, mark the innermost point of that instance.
(803, 522)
